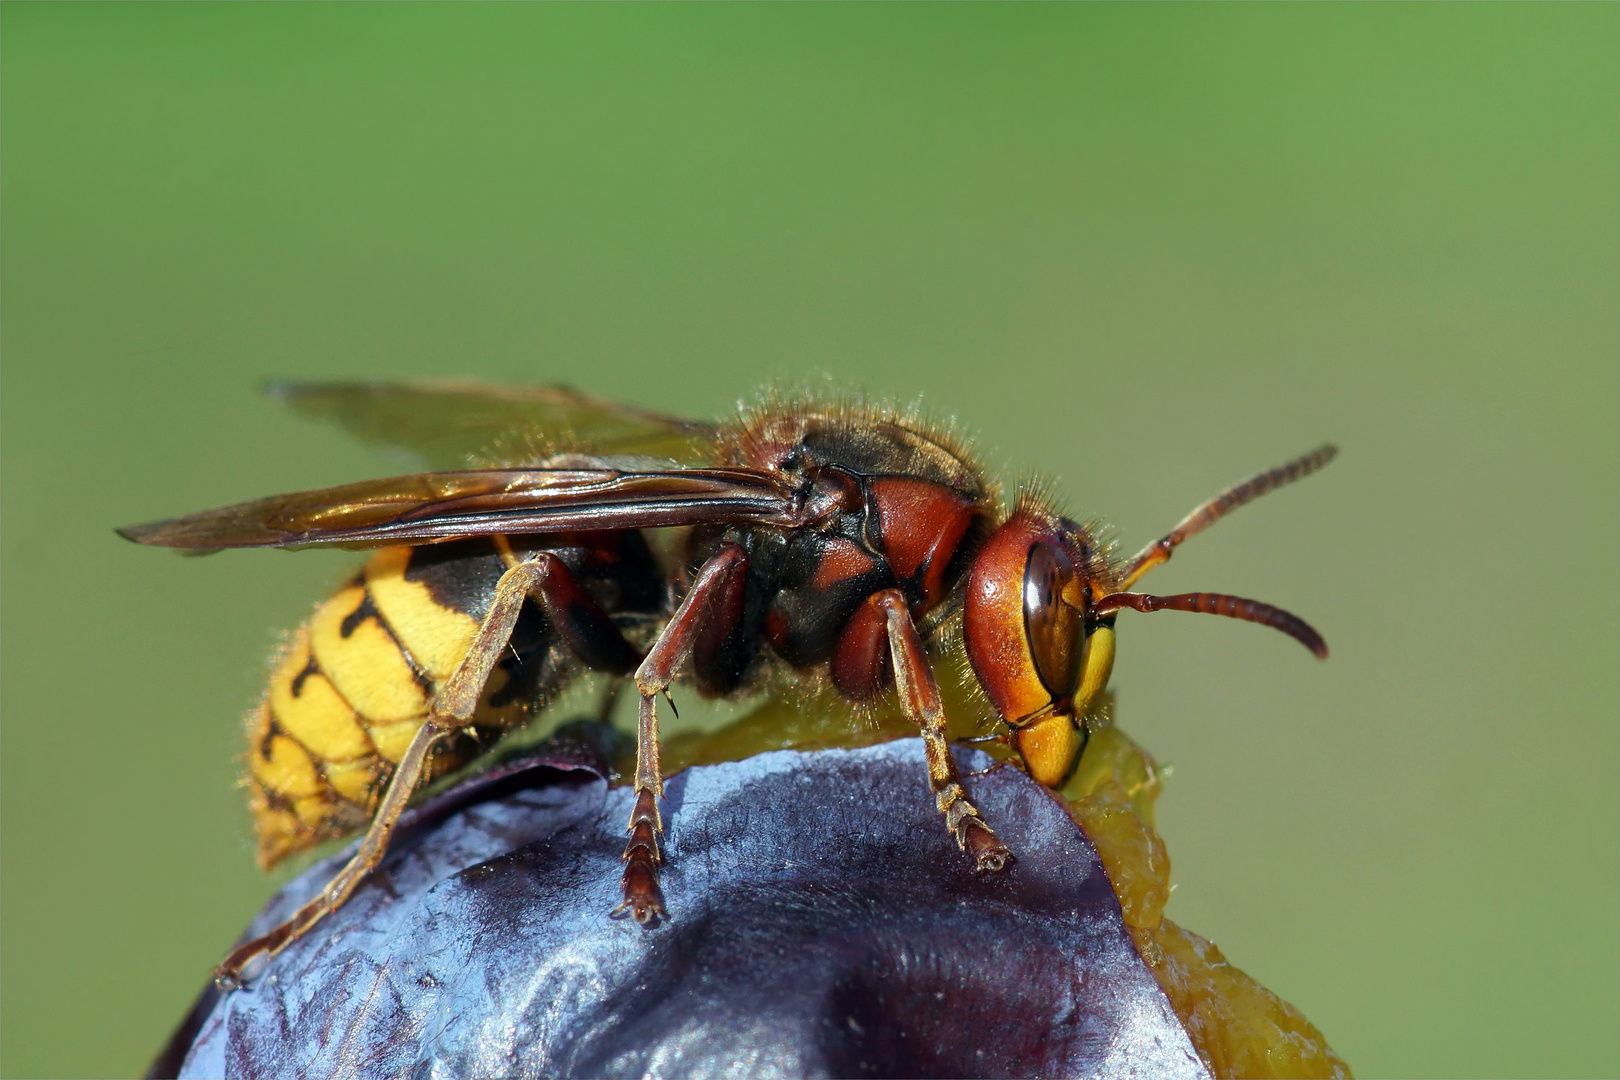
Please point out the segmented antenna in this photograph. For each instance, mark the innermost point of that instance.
(1208, 603)
(1208, 513)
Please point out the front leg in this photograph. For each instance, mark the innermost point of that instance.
(919, 696)
(642, 897)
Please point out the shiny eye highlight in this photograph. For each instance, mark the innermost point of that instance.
(1051, 625)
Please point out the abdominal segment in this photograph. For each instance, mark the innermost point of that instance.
(352, 689)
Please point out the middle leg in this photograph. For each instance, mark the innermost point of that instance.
(642, 897)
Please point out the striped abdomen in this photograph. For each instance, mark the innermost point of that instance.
(352, 687)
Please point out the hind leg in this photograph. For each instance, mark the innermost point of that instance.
(548, 580)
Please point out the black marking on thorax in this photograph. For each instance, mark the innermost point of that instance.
(814, 615)
(806, 619)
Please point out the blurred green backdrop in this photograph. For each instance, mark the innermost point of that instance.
(1144, 250)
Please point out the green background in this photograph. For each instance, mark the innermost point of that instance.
(1142, 250)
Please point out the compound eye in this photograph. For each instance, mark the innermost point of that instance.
(1052, 626)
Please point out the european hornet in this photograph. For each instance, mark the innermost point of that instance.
(837, 542)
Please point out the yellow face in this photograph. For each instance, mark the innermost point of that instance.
(1096, 665)
(1051, 746)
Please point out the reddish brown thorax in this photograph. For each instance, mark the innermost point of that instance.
(918, 526)
(921, 523)
(888, 507)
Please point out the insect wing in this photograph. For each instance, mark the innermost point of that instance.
(429, 507)
(448, 424)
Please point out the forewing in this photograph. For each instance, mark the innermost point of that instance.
(449, 424)
(437, 506)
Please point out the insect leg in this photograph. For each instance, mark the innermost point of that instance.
(1212, 510)
(372, 847)
(451, 708)
(642, 897)
(919, 695)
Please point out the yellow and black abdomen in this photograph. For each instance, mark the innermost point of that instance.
(352, 687)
